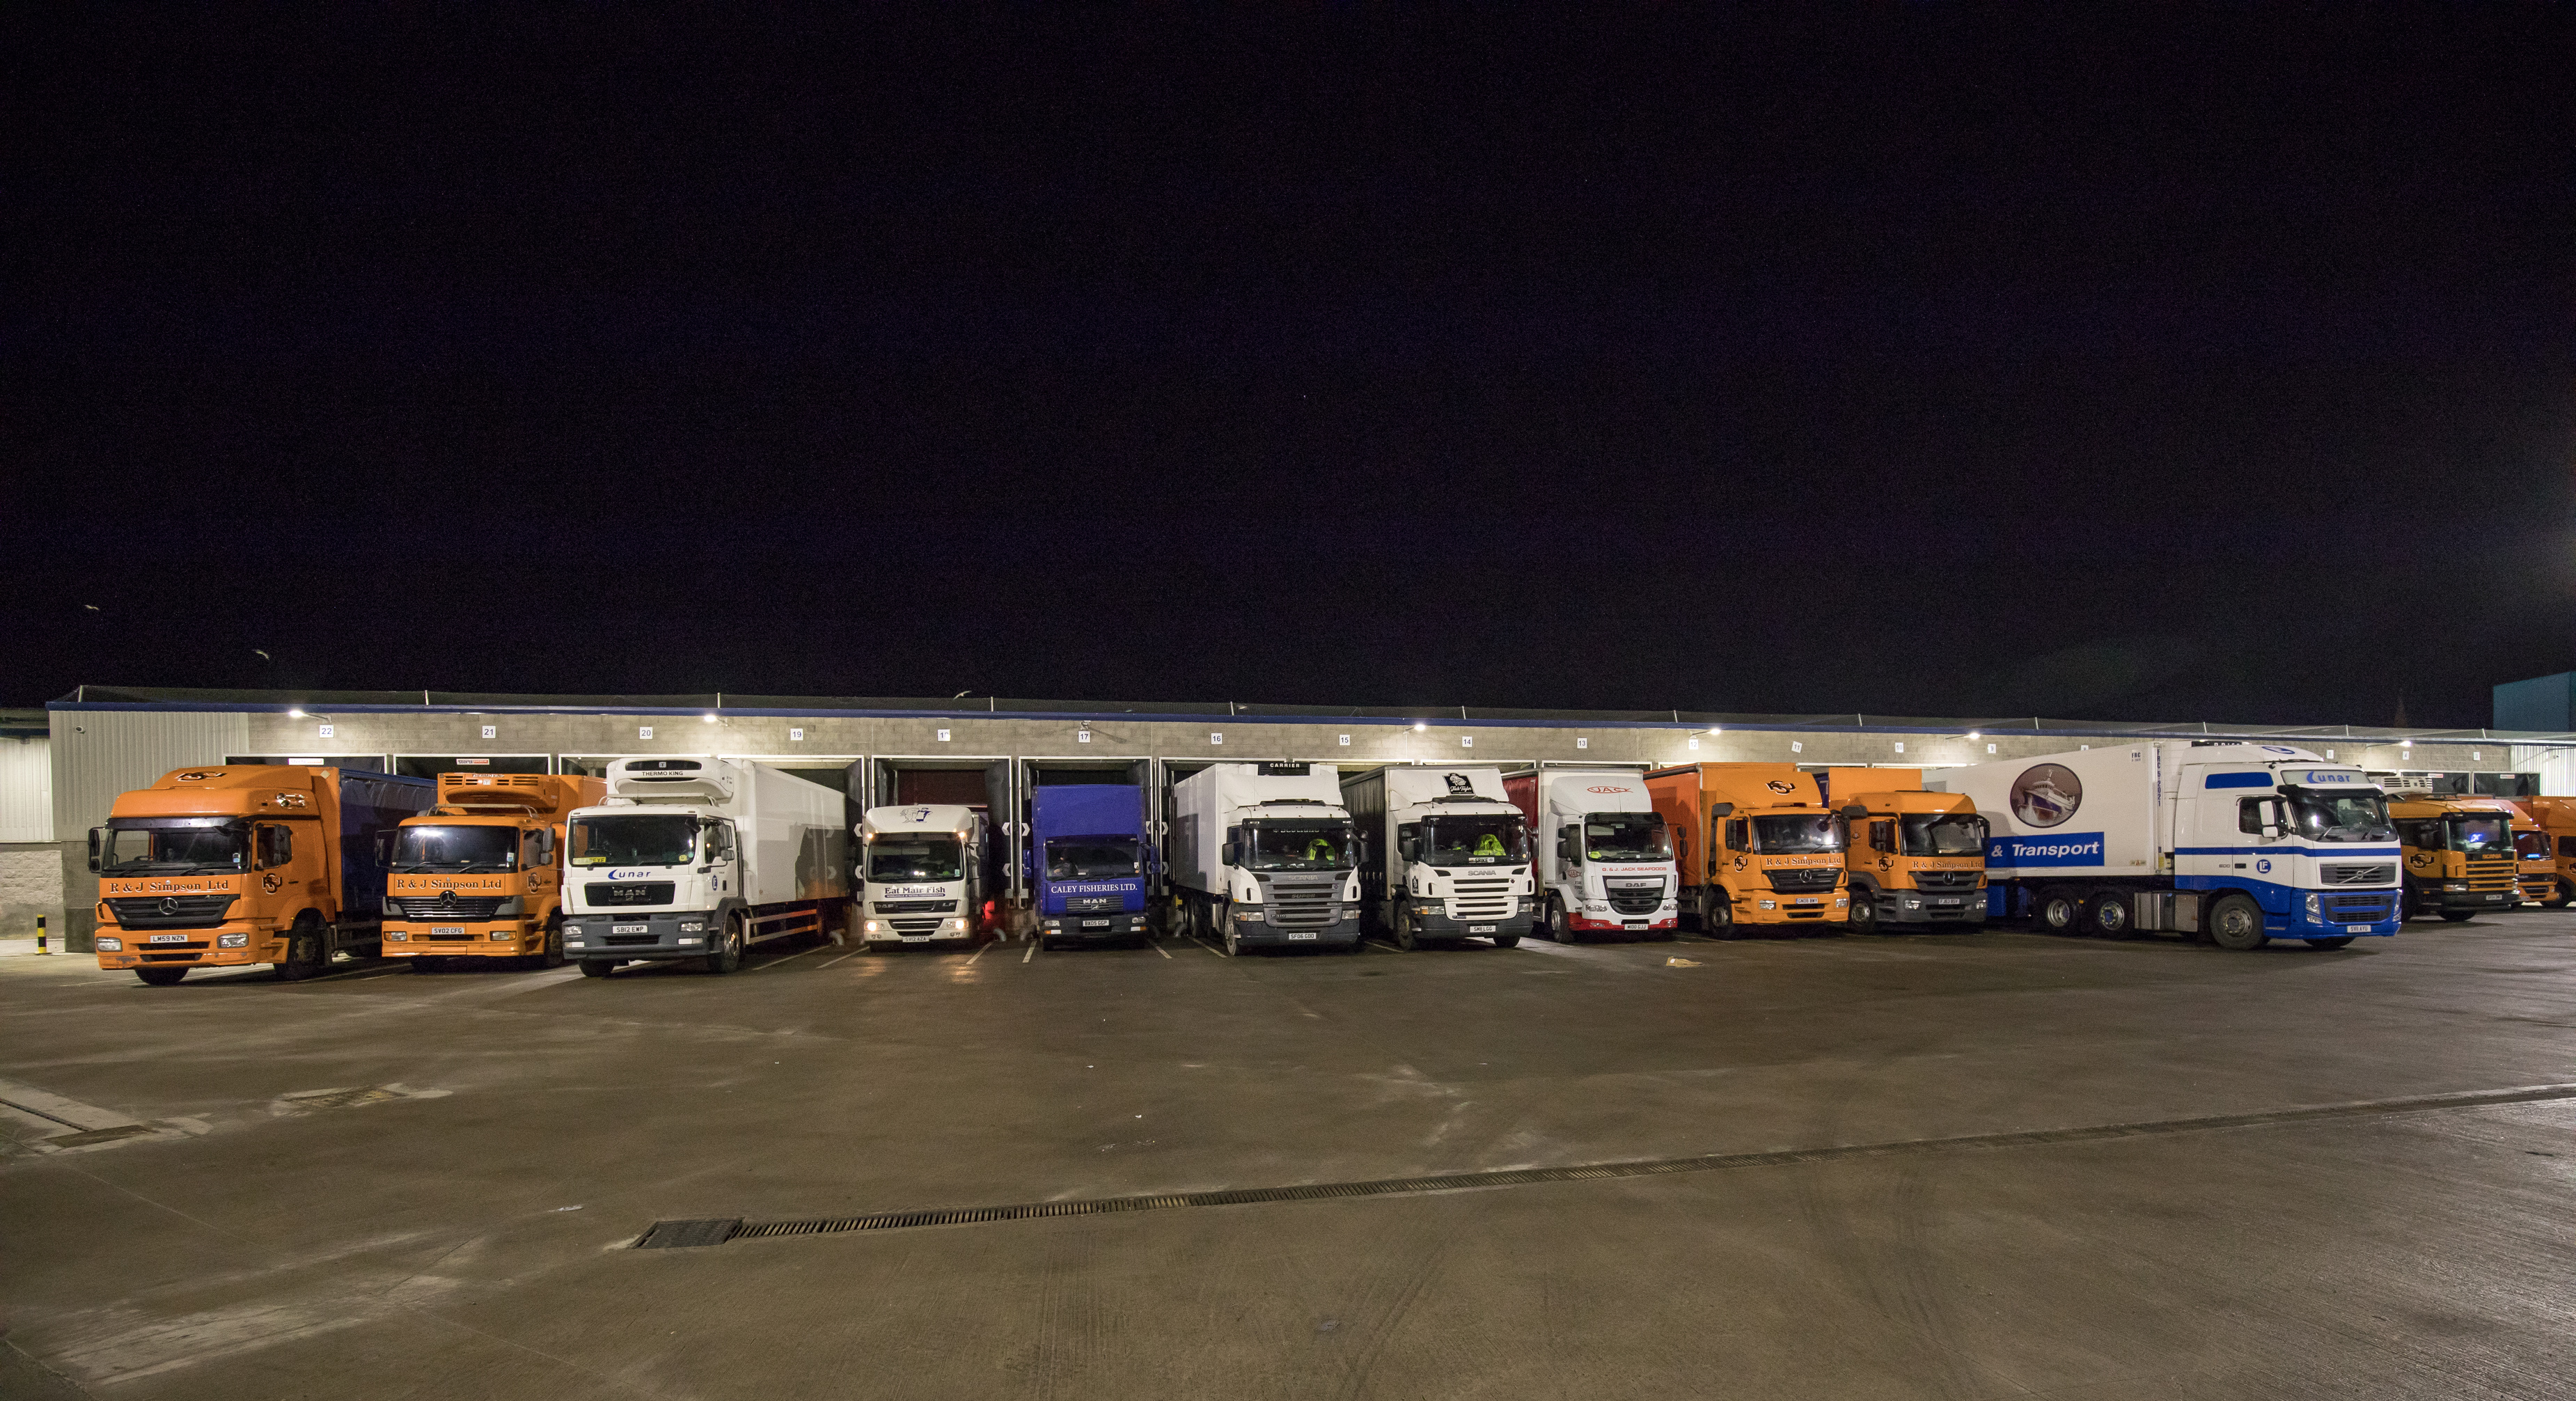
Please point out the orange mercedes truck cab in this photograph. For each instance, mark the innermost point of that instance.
(2458, 854)
(1914, 858)
(2557, 819)
(235, 864)
(481, 875)
(1755, 843)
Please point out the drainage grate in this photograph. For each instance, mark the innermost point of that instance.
(688, 1235)
(718, 1232)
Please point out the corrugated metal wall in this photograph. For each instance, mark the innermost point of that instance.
(98, 754)
(26, 789)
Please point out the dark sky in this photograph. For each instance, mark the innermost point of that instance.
(1923, 360)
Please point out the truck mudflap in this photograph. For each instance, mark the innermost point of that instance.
(659, 934)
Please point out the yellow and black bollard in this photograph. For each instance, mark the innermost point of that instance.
(40, 935)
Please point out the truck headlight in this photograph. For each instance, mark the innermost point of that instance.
(106, 945)
(868, 927)
(391, 936)
(1052, 925)
(232, 941)
(698, 928)
(1596, 906)
(1250, 916)
(2316, 907)
(2455, 885)
(503, 934)
(1914, 904)
(958, 925)
(1770, 904)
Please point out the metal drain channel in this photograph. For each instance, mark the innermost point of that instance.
(1590, 1172)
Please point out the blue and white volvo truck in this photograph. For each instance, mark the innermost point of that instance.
(699, 857)
(1264, 856)
(922, 875)
(1089, 862)
(2235, 843)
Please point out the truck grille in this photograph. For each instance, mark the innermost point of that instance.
(2539, 886)
(171, 911)
(1303, 904)
(470, 907)
(1636, 898)
(1093, 904)
(915, 926)
(945, 905)
(2360, 874)
(605, 893)
(1944, 880)
(1805, 878)
(2491, 872)
(1481, 899)
(2360, 909)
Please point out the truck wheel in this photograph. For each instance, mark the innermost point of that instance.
(597, 967)
(1560, 925)
(553, 957)
(1717, 918)
(1864, 911)
(1404, 930)
(2459, 916)
(2236, 922)
(728, 955)
(2338, 941)
(2107, 915)
(1233, 941)
(2057, 912)
(161, 977)
(308, 950)
(2559, 898)
(1507, 941)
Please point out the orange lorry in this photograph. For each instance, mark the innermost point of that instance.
(481, 875)
(2557, 819)
(1755, 843)
(1914, 857)
(2458, 854)
(235, 864)
(2535, 868)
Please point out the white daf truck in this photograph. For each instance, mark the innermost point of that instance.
(921, 867)
(698, 857)
(1446, 857)
(2230, 842)
(1264, 856)
(1604, 857)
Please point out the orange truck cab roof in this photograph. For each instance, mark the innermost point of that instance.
(1904, 801)
(230, 790)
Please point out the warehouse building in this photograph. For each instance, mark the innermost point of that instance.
(99, 741)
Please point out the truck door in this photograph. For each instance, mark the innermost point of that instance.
(2206, 840)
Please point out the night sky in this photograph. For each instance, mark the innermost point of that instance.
(1923, 360)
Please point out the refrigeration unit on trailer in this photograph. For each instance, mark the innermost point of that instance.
(2238, 843)
(1091, 862)
(1265, 856)
(2459, 854)
(923, 873)
(482, 874)
(1755, 843)
(1444, 856)
(701, 857)
(232, 864)
(1604, 856)
(1912, 856)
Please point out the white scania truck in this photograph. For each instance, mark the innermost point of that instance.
(1263, 856)
(700, 857)
(922, 871)
(1446, 857)
(2235, 843)
(1604, 857)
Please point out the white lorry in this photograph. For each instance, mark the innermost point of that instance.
(1446, 856)
(701, 857)
(2232, 842)
(1264, 856)
(921, 867)
(1604, 857)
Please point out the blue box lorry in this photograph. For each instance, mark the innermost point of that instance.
(1091, 865)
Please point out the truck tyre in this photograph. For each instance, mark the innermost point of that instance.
(161, 977)
(2236, 922)
(308, 949)
(1717, 914)
(553, 956)
(1864, 910)
(1404, 930)
(2057, 912)
(728, 955)
(597, 967)
(2107, 915)
(1233, 941)
(1507, 941)
(2459, 916)
(2560, 896)
(2338, 941)
(1552, 922)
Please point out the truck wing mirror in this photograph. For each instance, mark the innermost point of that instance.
(384, 848)
(1855, 813)
(93, 849)
(1226, 854)
(1721, 809)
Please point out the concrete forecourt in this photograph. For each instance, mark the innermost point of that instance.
(1988, 1163)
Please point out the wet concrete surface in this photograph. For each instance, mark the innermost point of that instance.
(398, 1184)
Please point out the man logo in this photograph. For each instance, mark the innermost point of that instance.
(1781, 786)
(2046, 795)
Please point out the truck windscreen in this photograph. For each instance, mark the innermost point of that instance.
(456, 849)
(1626, 836)
(215, 844)
(909, 858)
(635, 839)
(2478, 833)
(1300, 846)
(1777, 835)
(2325, 816)
(1479, 839)
(1943, 834)
(1093, 858)
(2531, 846)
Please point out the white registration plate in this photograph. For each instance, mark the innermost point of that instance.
(1480, 929)
(916, 938)
(1095, 924)
(1635, 924)
(1294, 935)
(2356, 929)
(169, 938)
(455, 929)
(1812, 900)
(620, 929)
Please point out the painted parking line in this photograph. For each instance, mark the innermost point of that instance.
(819, 967)
(1158, 948)
(979, 952)
(1032, 953)
(376, 970)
